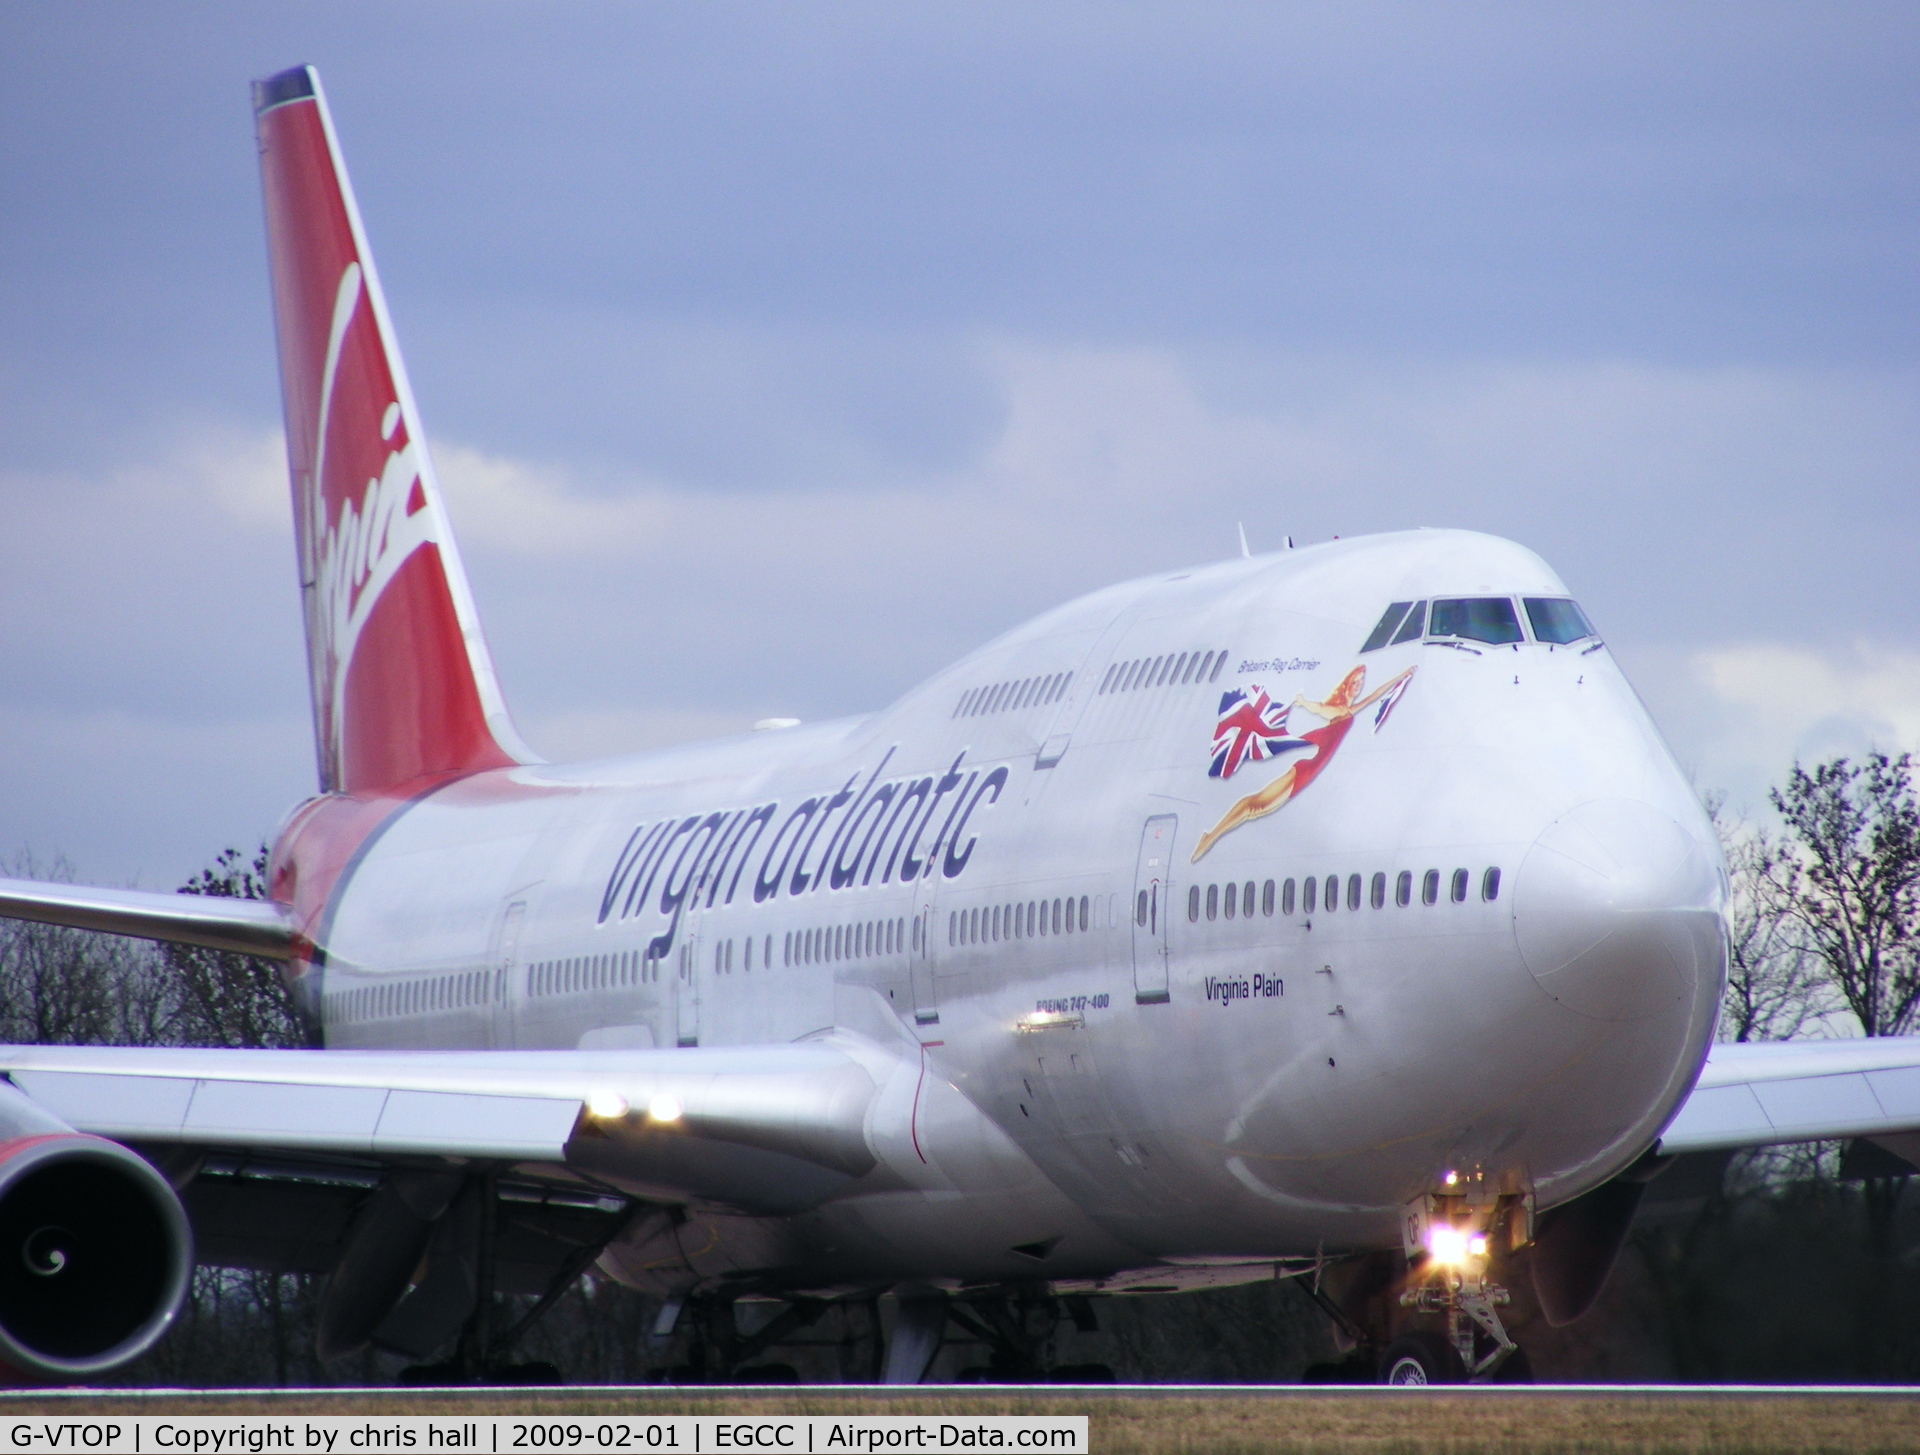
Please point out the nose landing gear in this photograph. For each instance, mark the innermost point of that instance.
(1449, 1238)
(1477, 1346)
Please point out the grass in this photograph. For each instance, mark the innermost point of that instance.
(1404, 1422)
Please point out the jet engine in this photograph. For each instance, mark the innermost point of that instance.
(95, 1249)
(1576, 1244)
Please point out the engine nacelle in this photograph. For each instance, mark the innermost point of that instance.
(95, 1249)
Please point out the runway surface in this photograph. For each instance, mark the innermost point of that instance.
(1171, 1418)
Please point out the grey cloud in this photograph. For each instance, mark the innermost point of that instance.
(915, 321)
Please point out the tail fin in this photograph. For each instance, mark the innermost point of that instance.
(402, 684)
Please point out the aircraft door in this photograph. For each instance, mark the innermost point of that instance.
(499, 1012)
(686, 987)
(920, 953)
(1152, 903)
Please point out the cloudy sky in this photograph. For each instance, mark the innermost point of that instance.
(774, 354)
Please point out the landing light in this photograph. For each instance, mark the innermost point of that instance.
(1049, 1020)
(663, 1108)
(1446, 1245)
(1453, 1246)
(606, 1106)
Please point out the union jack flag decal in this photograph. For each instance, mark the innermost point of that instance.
(1390, 701)
(1252, 727)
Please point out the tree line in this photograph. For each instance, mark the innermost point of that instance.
(1782, 1263)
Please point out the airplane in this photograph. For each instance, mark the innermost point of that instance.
(1335, 914)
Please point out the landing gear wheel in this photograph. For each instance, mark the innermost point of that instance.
(1421, 1358)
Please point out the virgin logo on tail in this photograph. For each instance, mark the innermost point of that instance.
(353, 558)
(403, 690)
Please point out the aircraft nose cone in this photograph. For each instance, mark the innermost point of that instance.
(1617, 911)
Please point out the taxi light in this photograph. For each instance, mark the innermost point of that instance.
(1477, 1246)
(606, 1106)
(1447, 1245)
(663, 1108)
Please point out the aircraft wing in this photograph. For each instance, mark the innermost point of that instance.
(1755, 1093)
(246, 926)
(758, 1128)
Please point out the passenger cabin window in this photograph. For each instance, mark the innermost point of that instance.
(1027, 692)
(1175, 669)
(1460, 877)
(1489, 619)
(1238, 902)
(1556, 620)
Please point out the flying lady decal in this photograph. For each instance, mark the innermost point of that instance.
(1251, 728)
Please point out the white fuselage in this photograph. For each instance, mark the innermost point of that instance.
(953, 887)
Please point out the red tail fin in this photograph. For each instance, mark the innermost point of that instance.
(402, 683)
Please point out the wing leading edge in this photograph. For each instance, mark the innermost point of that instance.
(758, 1128)
(1758, 1093)
(244, 926)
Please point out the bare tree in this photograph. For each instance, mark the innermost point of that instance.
(1847, 874)
(72, 987)
(228, 999)
(1775, 988)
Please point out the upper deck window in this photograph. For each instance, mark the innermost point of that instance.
(1557, 620)
(1489, 619)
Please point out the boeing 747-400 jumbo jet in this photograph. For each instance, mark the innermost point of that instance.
(1335, 912)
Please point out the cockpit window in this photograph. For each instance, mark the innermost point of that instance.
(1378, 637)
(1415, 624)
(1488, 619)
(1557, 620)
